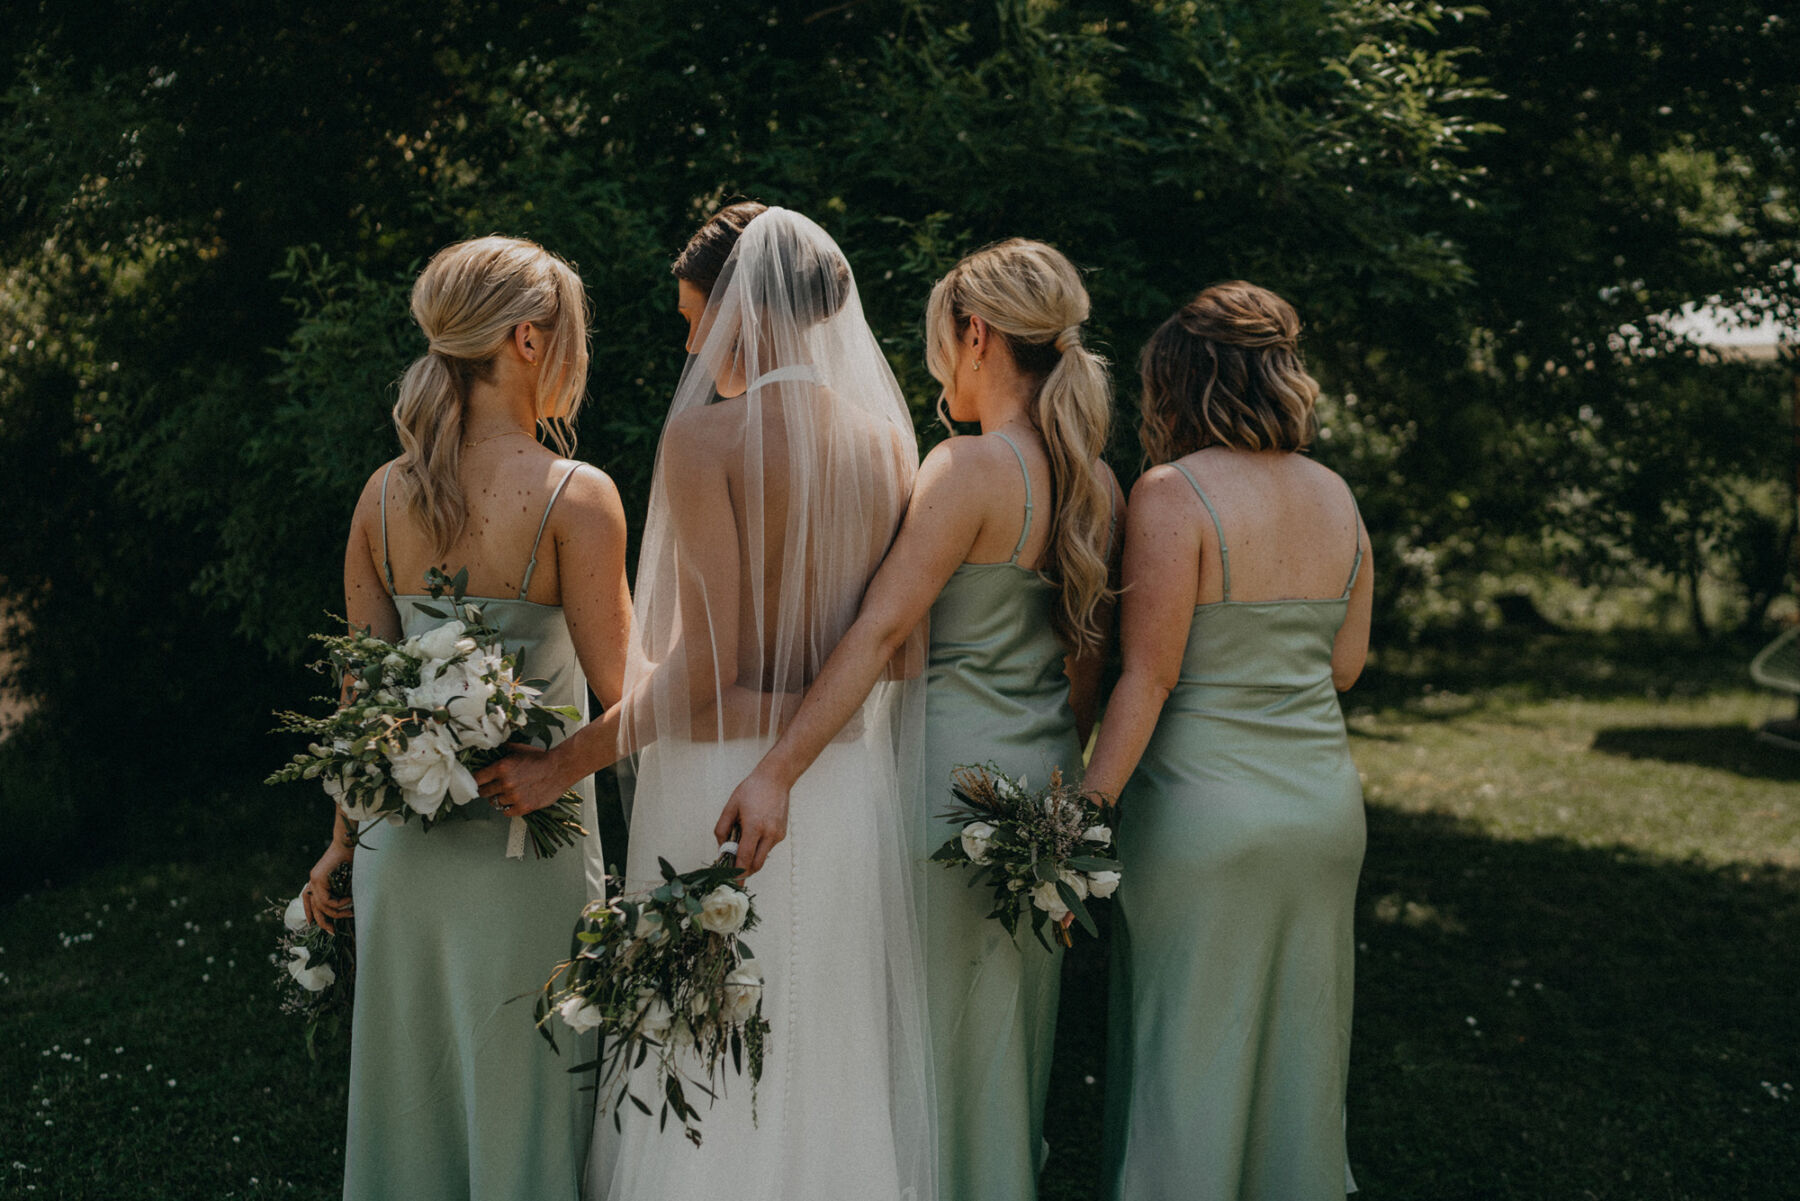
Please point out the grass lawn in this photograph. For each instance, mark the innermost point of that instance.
(1577, 975)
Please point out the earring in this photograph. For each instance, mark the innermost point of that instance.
(978, 364)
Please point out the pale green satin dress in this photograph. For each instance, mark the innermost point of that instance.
(1241, 835)
(996, 691)
(453, 1094)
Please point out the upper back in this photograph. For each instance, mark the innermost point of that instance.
(1280, 527)
(509, 491)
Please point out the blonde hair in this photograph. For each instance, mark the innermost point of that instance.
(468, 300)
(1226, 371)
(1033, 297)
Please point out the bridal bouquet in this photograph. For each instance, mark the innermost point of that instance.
(317, 974)
(1040, 850)
(419, 716)
(665, 974)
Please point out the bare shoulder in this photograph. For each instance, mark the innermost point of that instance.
(368, 503)
(591, 499)
(966, 465)
(1161, 490)
(705, 429)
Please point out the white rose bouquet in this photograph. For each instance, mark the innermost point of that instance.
(1043, 852)
(419, 716)
(666, 974)
(315, 969)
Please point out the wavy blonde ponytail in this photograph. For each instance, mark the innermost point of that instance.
(1034, 297)
(468, 301)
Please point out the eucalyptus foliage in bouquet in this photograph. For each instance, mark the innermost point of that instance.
(317, 969)
(419, 716)
(1041, 851)
(665, 974)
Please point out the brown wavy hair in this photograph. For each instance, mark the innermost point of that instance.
(1226, 371)
(1031, 295)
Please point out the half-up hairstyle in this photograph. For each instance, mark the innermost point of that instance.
(1226, 371)
(468, 301)
(1032, 296)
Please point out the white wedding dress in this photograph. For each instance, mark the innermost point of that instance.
(770, 511)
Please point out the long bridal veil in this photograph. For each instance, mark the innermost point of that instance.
(784, 469)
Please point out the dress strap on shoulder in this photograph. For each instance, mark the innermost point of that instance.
(1224, 551)
(1356, 537)
(387, 568)
(1026, 472)
(531, 567)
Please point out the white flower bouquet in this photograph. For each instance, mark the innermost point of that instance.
(316, 969)
(419, 716)
(1041, 851)
(666, 974)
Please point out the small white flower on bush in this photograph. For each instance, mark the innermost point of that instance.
(1102, 884)
(1099, 834)
(294, 916)
(580, 1014)
(975, 839)
(312, 979)
(742, 988)
(722, 911)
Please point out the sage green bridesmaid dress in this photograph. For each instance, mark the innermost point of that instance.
(996, 692)
(453, 1094)
(1241, 835)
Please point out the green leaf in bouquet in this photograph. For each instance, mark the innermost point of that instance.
(1093, 863)
(637, 1102)
(1044, 871)
(431, 611)
(744, 951)
(1076, 907)
(668, 872)
(459, 583)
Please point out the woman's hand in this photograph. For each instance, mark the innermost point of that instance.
(322, 908)
(526, 780)
(758, 812)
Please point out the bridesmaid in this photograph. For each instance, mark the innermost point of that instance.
(1245, 612)
(453, 1095)
(1008, 544)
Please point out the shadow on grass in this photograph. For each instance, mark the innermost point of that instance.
(1729, 748)
(1537, 1019)
(1449, 674)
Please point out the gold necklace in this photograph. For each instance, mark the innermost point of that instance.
(496, 438)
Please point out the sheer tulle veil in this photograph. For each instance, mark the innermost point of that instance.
(748, 576)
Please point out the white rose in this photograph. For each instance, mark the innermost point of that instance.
(440, 642)
(427, 769)
(580, 1013)
(294, 916)
(655, 1018)
(312, 979)
(723, 910)
(1102, 884)
(976, 837)
(1045, 897)
(1076, 881)
(743, 987)
(1099, 834)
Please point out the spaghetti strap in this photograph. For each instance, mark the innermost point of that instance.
(387, 568)
(1224, 552)
(531, 567)
(1026, 472)
(1356, 534)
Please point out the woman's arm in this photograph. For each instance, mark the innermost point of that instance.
(368, 606)
(942, 522)
(1161, 583)
(1084, 669)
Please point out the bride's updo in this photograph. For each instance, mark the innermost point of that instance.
(702, 260)
(468, 301)
(1226, 371)
(1032, 296)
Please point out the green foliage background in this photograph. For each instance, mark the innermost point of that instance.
(209, 218)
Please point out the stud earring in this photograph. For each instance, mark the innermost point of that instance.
(978, 364)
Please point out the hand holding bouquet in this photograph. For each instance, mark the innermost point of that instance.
(419, 715)
(317, 975)
(1041, 851)
(665, 974)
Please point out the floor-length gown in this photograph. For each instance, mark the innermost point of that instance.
(996, 692)
(1241, 835)
(453, 1094)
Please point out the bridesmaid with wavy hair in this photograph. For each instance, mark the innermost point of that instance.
(1008, 546)
(452, 1094)
(1245, 612)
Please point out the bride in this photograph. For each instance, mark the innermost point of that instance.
(785, 466)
